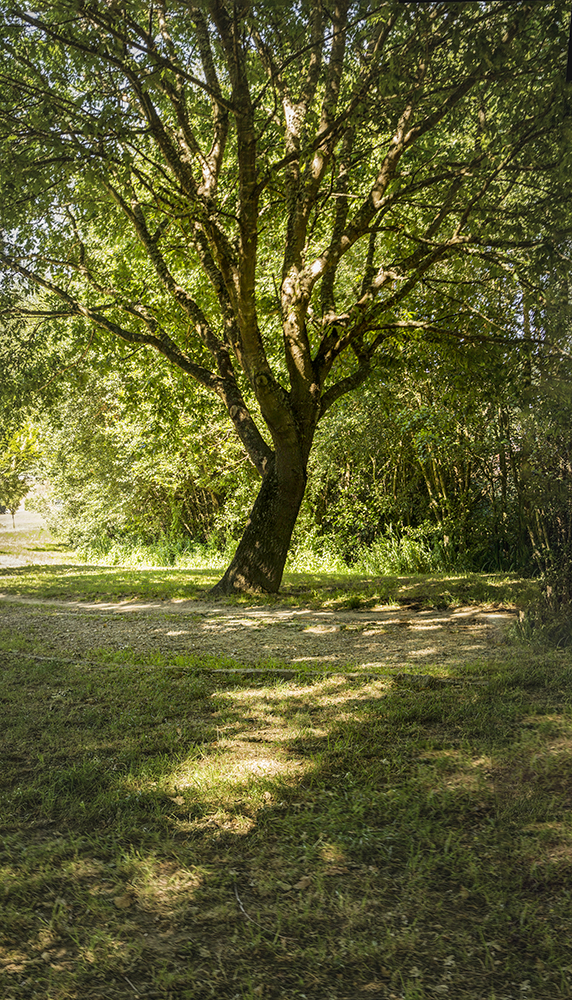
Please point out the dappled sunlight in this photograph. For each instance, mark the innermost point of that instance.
(282, 704)
(550, 845)
(321, 629)
(456, 771)
(560, 854)
(161, 886)
(229, 818)
(149, 612)
(234, 768)
(333, 856)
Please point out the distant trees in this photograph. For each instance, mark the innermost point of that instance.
(127, 468)
(18, 455)
(278, 198)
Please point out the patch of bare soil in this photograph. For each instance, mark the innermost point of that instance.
(376, 638)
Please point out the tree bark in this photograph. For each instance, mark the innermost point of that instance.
(258, 563)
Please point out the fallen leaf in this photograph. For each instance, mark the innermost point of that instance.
(304, 882)
(123, 902)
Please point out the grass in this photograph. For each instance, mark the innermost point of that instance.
(171, 832)
(102, 583)
(64, 578)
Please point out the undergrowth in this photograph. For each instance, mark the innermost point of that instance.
(397, 552)
(318, 584)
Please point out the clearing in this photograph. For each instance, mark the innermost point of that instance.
(360, 790)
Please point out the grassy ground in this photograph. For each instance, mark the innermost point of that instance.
(103, 583)
(168, 833)
(58, 575)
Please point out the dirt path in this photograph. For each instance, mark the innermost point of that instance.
(375, 638)
(395, 637)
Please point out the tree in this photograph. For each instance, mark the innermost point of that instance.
(134, 469)
(17, 457)
(256, 190)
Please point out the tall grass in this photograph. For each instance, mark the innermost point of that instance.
(164, 553)
(394, 553)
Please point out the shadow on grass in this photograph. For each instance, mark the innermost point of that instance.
(72, 581)
(168, 834)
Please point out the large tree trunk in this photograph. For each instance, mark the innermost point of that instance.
(259, 560)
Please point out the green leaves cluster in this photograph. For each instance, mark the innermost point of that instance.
(19, 453)
(139, 458)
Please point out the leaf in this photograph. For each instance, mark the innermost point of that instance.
(303, 883)
(123, 902)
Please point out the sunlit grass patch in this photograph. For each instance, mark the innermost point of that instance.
(349, 590)
(28, 543)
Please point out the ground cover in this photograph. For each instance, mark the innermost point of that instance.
(191, 634)
(176, 834)
(170, 831)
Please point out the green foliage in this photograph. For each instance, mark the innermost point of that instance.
(19, 455)
(278, 206)
(404, 552)
(127, 469)
(455, 464)
(425, 461)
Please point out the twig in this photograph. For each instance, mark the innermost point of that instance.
(263, 928)
(238, 899)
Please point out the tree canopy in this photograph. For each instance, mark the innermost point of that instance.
(275, 196)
